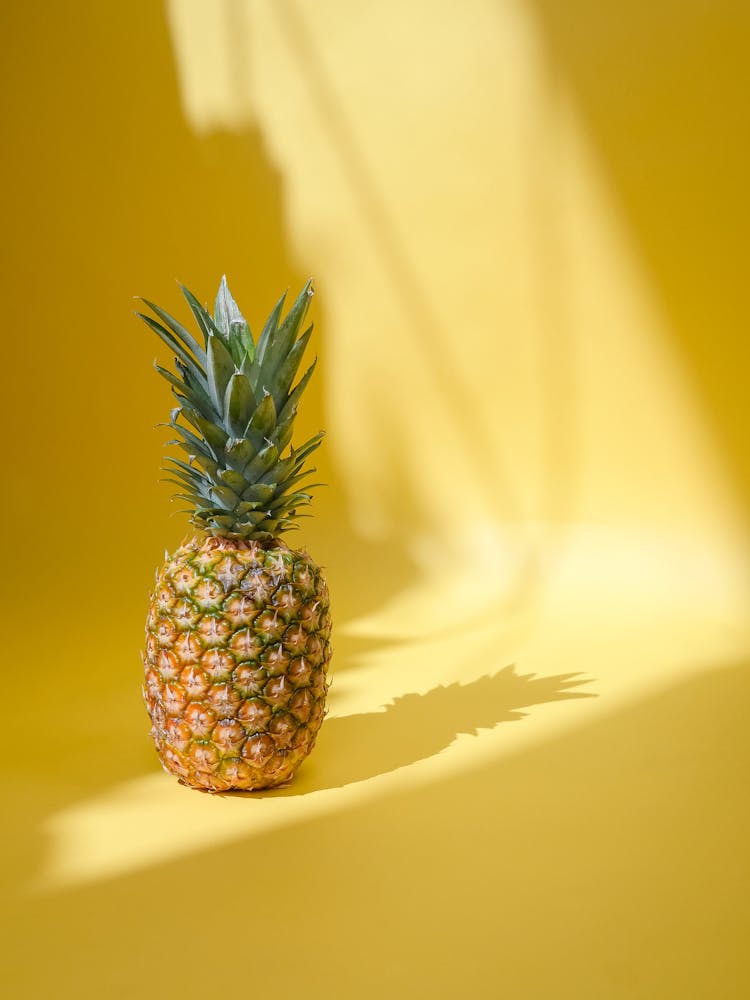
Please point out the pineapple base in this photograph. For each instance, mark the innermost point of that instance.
(236, 660)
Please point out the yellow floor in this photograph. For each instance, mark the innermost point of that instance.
(526, 232)
(546, 801)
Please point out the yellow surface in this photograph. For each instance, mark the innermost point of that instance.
(527, 223)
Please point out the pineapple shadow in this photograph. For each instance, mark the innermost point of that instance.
(414, 727)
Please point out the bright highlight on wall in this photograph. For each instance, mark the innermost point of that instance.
(497, 360)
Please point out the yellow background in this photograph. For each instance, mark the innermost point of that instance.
(528, 226)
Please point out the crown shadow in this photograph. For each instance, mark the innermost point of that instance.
(414, 727)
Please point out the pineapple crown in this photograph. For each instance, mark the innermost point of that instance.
(242, 476)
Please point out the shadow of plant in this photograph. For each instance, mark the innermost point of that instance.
(414, 727)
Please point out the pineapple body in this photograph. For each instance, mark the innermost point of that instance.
(237, 651)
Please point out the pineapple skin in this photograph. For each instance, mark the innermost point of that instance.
(237, 652)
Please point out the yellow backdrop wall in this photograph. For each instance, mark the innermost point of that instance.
(527, 224)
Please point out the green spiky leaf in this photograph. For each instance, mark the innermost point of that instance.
(203, 317)
(292, 402)
(174, 345)
(219, 371)
(234, 480)
(180, 332)
(239, 404)
(225, 496)
(230, 321)
(268, 333)
(261, 425)
(263, 461)
(197, 397)
(280, 344)
(283, 376)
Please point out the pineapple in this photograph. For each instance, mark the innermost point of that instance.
(238, 627)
